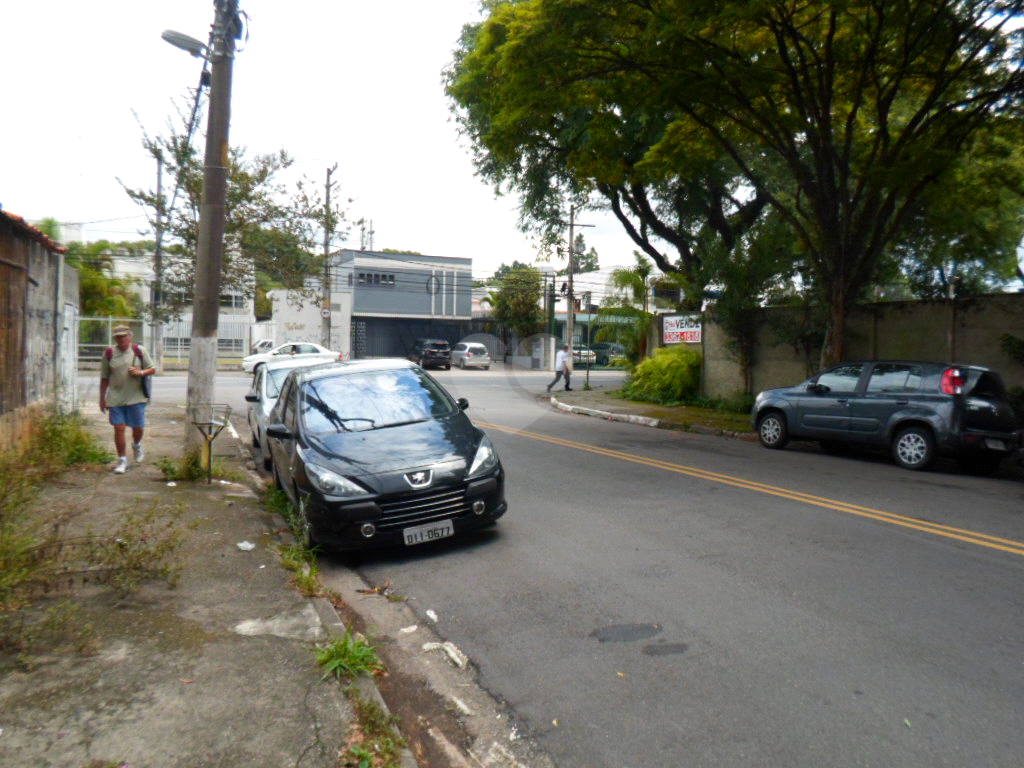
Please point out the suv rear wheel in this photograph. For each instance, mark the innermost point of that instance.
(914, 448)
(772, 430)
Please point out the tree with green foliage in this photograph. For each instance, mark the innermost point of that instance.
(505, 270)
(100, 293)
(558, 137)
(517, 302)
(690, 118)
(583, 260)
(626, 308)
(273, 235)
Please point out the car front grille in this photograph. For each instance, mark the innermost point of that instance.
(422, 507)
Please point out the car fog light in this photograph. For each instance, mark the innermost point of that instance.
(367, 530)
(478, 507)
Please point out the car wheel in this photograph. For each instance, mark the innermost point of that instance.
(268, 463)
(487, 367)
(448, 367)
(255, 440)
(772, 430)
(305, 529)
(420, 362)
(277, 478)
(462, 363)
(914, 448)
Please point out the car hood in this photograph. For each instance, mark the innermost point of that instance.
(368, 452)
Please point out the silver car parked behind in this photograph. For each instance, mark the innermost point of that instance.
(469, 354)
(266, 387)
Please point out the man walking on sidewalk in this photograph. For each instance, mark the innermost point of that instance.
(121, 374)
(563, 367)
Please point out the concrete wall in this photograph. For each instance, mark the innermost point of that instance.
(39, 316)
(924, 330)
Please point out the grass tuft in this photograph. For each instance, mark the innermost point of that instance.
(347, 657)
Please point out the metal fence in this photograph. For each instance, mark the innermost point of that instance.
(96, 334)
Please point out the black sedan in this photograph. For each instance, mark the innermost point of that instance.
(376, 452)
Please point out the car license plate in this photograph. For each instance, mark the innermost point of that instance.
(995, 445)
(430, 532)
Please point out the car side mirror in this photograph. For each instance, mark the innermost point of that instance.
(818, 389)
(463, 403)
(279, 431)
(252, 396)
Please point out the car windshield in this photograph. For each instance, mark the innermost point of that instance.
(275, 379)
(356, 401)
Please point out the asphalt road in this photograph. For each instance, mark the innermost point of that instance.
(656, 598)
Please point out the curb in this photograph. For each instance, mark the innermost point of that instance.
(367, 688)
(646, 421)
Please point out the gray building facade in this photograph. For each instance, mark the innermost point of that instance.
(399, 297)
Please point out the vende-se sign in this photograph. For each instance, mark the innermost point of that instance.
(682, 329)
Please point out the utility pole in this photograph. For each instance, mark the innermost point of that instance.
(156, 292)
(202, 362)
(325, 300)
(570, 317)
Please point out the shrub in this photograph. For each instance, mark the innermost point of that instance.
(672, 376)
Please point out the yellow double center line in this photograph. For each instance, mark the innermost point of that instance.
(946, 531)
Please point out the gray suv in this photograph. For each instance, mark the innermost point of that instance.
(918, 410)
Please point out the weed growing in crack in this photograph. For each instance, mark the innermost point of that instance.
(374, 742)
(39, 562)
(142, 548)
(189, 468)
(347, 657)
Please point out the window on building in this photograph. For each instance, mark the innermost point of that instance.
(232, 300)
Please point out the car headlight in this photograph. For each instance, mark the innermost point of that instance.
(332, 484)
(486, 458)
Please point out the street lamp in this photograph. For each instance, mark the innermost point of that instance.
(202, 361)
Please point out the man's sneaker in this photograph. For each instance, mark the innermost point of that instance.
(122, 466)
(139, 453)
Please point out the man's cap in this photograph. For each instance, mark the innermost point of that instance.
(121, 330)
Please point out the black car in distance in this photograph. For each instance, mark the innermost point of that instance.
(428, 353)
(918, 410)
(375, 452)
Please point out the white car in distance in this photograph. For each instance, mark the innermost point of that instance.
(305, 350)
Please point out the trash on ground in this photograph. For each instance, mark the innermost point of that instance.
(246, 546)
(451, 652)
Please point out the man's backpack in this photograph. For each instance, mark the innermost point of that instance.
(147, 385)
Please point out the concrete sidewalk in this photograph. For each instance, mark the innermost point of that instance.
(218, 671)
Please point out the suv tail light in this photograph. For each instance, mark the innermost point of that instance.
(953, 380)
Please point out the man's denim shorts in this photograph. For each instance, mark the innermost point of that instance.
(132, 415)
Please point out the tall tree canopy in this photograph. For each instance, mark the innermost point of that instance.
(692, 117)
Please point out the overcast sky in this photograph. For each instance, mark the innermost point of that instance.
(352, 83)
